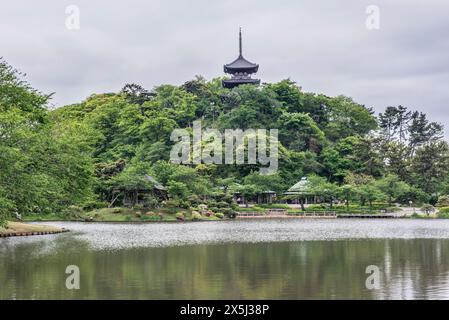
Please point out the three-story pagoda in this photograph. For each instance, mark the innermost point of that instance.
(240, 70)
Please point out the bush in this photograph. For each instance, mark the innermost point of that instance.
(172, 203)
(242, 209)
(222, 204)
(92, 205)
(196, 216)
(274, 206)
(316, 207)
(154, 216)
(229, 213)
(443, 210)
(6, 206)
(443, 201)
(219, 215)
(150, 201)
(393, 209)
(138, 207)
(180, 216)
(194, 200)
(117, 210)
(428, 209)
(73, 212)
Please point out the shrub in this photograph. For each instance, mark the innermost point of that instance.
(274, 206)
(6, 206)
(128, 218)
(73, 212)
(219, 215)
(222, 204)
(92, 205)
(428, 209)
(150, 201)
(117, 210)
(234, 206)
(229, 212)
(196, 216)
(316, 207)
(194, 199)
(394, 209)
(443, 201)
(138, 207)
(180, 216)
(443, 210)
(184, 204)
(172, 203)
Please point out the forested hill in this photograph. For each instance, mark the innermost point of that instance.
(77, 154)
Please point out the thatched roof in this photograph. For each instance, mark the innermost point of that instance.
(156, 184)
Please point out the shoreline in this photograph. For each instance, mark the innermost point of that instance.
(19, 229)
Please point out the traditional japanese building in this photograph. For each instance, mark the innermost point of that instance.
(240, 70)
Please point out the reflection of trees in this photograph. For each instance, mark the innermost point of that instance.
(315, 269)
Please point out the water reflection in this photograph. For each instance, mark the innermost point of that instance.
(33, 268)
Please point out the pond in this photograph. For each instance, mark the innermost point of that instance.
(251, 259)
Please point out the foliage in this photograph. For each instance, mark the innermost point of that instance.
(443, 201)
(87, 154)
(196, 216)
(428, 209)
(45, 166)
(444, 210)
(180, 216)
(219, 215)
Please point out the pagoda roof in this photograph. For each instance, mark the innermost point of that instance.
(241, 64)
(231, 83)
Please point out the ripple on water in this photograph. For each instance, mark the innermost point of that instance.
(110, 236)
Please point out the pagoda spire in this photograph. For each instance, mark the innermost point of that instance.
(240, 69)
(240, 42)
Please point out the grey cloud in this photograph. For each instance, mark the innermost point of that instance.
(323, 45)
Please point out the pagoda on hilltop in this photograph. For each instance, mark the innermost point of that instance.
(240, 70)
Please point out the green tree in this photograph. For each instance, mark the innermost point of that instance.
(392, 187)
(430, 166)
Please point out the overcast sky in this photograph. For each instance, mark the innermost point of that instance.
(324, 46)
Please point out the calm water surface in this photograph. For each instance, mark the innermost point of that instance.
(253, 259)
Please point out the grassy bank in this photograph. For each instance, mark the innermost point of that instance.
(22, 229)
(126, 215)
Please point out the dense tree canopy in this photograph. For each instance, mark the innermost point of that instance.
(45, 166)
(78, 154)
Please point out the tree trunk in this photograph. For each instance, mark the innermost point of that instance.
(113, 200)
